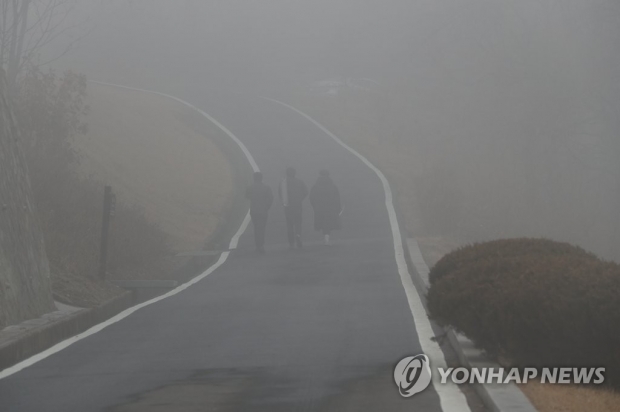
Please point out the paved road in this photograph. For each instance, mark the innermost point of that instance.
(313, 330)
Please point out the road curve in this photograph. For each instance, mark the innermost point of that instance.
(319, 329)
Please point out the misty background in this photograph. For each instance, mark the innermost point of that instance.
(513, 107)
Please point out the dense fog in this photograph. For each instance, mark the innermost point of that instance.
(514, 106)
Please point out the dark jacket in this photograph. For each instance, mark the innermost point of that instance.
(325, 200)
(260, 197)
(296, 191)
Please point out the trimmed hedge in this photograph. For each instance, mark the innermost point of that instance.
(534, 301)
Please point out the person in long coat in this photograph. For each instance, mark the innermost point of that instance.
(325, 201)
(261, 198)
(292, 192)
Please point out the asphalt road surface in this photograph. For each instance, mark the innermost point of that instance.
(317, 329)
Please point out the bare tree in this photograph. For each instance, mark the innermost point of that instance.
(27, 27)
(25, 286)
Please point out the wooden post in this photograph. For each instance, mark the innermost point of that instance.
(105, 230)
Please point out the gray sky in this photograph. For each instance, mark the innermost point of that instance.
(467, 41)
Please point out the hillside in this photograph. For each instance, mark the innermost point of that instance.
(24, 268)
(145, 147)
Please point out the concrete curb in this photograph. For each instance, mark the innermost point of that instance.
(20, 342)
(497, 398)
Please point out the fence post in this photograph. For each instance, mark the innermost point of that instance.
(105, 229)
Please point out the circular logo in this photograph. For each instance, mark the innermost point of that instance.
(412, 375)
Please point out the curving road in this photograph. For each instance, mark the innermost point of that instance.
(319, 329)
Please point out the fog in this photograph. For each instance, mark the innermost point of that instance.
(516, 104)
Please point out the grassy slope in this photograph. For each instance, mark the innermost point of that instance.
(164, 158)
(143, 146)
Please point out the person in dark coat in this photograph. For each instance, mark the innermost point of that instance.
(261, 198)
(292, 194)
(325, 200)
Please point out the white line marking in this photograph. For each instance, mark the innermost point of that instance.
(450, 396)
(99, 327)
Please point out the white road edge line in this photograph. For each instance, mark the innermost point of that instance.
(99, 327)
(450, 396)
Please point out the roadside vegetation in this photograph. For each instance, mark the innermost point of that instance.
(70, 163)
(162, 157)
(51, 112)
(535, 302)
(532, 302)
(571, 398)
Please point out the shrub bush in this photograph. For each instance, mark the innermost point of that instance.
(535, 302)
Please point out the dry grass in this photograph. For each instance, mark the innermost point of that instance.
(82, 291)
(143, 146)
(173, 186)
(560, 398)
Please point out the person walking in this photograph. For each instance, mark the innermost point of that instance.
(261, 198)
(325, 200)
(292, 192)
